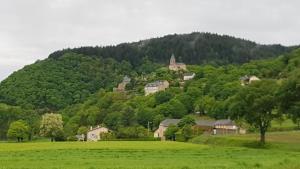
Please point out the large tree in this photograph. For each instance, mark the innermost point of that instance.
(289, 97)
(187, 120)
(51, 126)
(187, 132)
(256, 103)
(18, 130)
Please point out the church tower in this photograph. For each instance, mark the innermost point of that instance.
(172, 60)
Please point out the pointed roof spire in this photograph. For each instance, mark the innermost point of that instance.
(172, 60)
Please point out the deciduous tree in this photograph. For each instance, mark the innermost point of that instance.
(18, 130)
(51, 126)
(256, 103)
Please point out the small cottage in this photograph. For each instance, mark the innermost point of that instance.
(156, 86)
(94, 134)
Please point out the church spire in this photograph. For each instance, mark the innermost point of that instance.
(172, 60)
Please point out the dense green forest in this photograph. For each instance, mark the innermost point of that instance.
(78, 83)
(194, 48)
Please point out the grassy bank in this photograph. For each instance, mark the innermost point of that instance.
(227, 152)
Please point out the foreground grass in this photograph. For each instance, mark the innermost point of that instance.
(229, 153)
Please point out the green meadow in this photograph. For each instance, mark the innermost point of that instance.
(225, 152)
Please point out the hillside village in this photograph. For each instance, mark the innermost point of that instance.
(210, 126)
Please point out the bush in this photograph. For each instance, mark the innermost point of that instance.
(132, 132)
(107, 136)
(71, 138)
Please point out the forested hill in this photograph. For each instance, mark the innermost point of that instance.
(194, 48)
(70, 76)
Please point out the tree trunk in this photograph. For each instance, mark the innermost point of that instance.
(262, 135)
(52, 139)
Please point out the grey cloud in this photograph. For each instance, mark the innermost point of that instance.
(31, 29)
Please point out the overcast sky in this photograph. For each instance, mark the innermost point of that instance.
(32, 29)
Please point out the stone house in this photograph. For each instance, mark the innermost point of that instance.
(94, 134)
(176, 66)
(245, 80)
(159, 133)
(156, 86)
(122, 86)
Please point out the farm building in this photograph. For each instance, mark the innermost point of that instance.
(94, 134)
(224, 126)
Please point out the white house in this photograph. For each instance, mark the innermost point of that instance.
(188, 76)
(94, 134)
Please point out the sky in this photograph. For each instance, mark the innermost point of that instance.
(32, 29)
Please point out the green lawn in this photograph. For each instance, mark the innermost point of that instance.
(230, 152)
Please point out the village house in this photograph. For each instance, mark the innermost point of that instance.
(156, 86)
(94, 134)
(122, 86)
(176, 66)
(188, 76)
(159, 133)
(224, 126)
(245, 80)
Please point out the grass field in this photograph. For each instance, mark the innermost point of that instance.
(230, 152)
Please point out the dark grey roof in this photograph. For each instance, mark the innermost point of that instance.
(209, 123)
(168, 122)
(224, 122)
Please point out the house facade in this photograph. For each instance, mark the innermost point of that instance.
(94, 134)
(176, 66)
(159, 133)
(156, 86)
